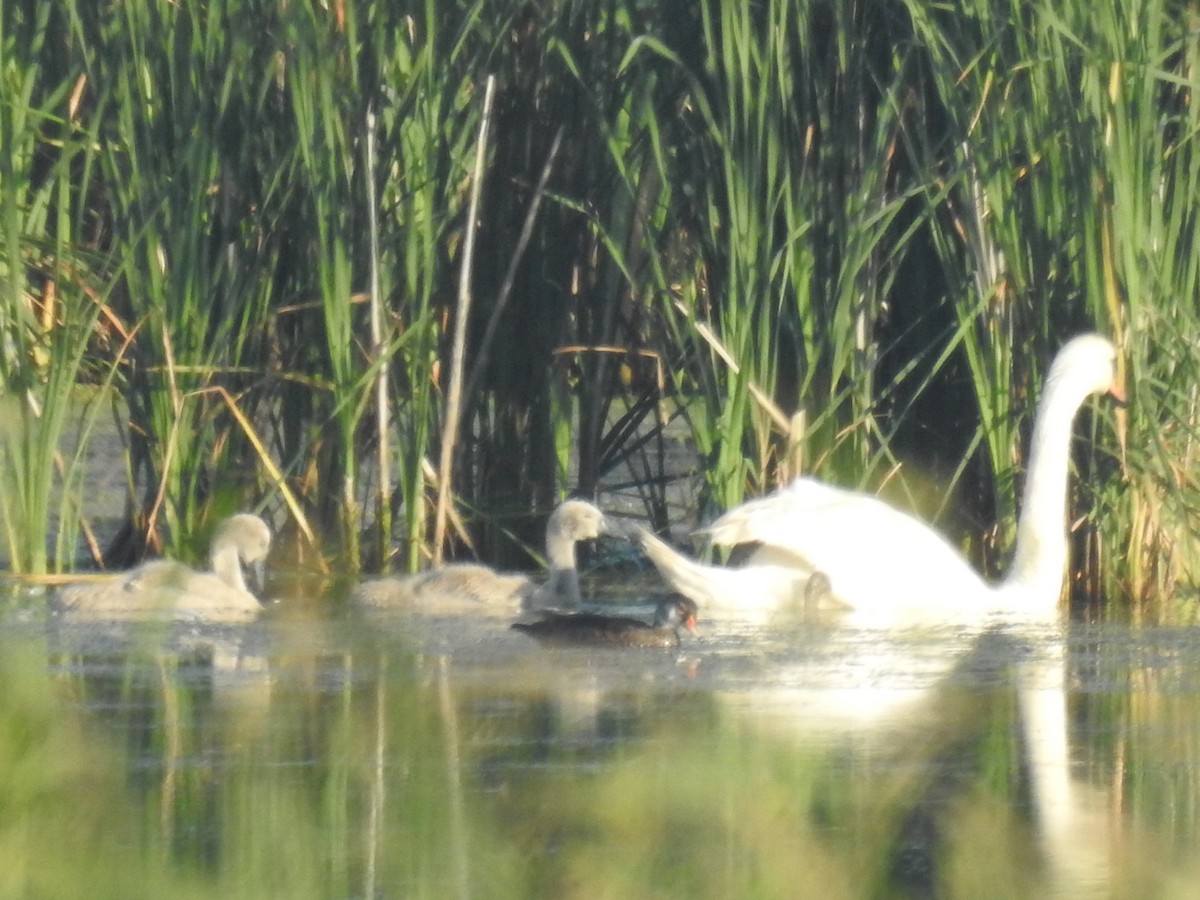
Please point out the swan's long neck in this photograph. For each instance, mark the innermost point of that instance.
(1041, 554)
(562, 586)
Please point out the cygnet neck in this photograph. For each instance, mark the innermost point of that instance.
(562, 583)
(226, 564)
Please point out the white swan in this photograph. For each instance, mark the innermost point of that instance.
(891, 568)
(760, 588)
(171, 589)
(469, 586)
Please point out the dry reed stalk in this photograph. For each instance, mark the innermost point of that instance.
(378, 351)
(782, 422)
(269, 464)
(177, 401)
(462, 320)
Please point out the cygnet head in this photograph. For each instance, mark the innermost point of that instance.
(578, 520)
(246, 533)
(245, 536)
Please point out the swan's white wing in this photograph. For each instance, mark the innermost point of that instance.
(879, 560)
(751, 590)
(769, 519)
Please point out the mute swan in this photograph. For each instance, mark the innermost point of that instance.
(469, 585)
(169, 588)
(596, 629)
(888, 567)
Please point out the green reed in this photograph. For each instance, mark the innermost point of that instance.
(322, 89)
(194, 220)
(783, 170)
(632, 231)
(232, 168)
(430, 95)
(1145, 269)
(1071, 147)
(883, 217)
(53, 291)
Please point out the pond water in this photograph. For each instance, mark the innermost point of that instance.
(398, 756)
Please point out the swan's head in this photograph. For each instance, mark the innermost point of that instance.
(1085, 365)
(245, 535)
(578, 520)
(676, 611)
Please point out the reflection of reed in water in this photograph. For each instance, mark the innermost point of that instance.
(177, 700)
(638, 779)
(458, 825)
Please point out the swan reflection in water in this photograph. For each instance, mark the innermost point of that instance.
(908, 701)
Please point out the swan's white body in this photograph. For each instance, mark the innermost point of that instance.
(882, 564)
(469, 586)
(167, 588)
(890, 568)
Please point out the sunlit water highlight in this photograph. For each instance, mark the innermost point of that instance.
(405, 756)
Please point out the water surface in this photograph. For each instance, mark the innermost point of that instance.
(402, 756)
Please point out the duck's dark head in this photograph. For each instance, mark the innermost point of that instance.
(675, 612)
